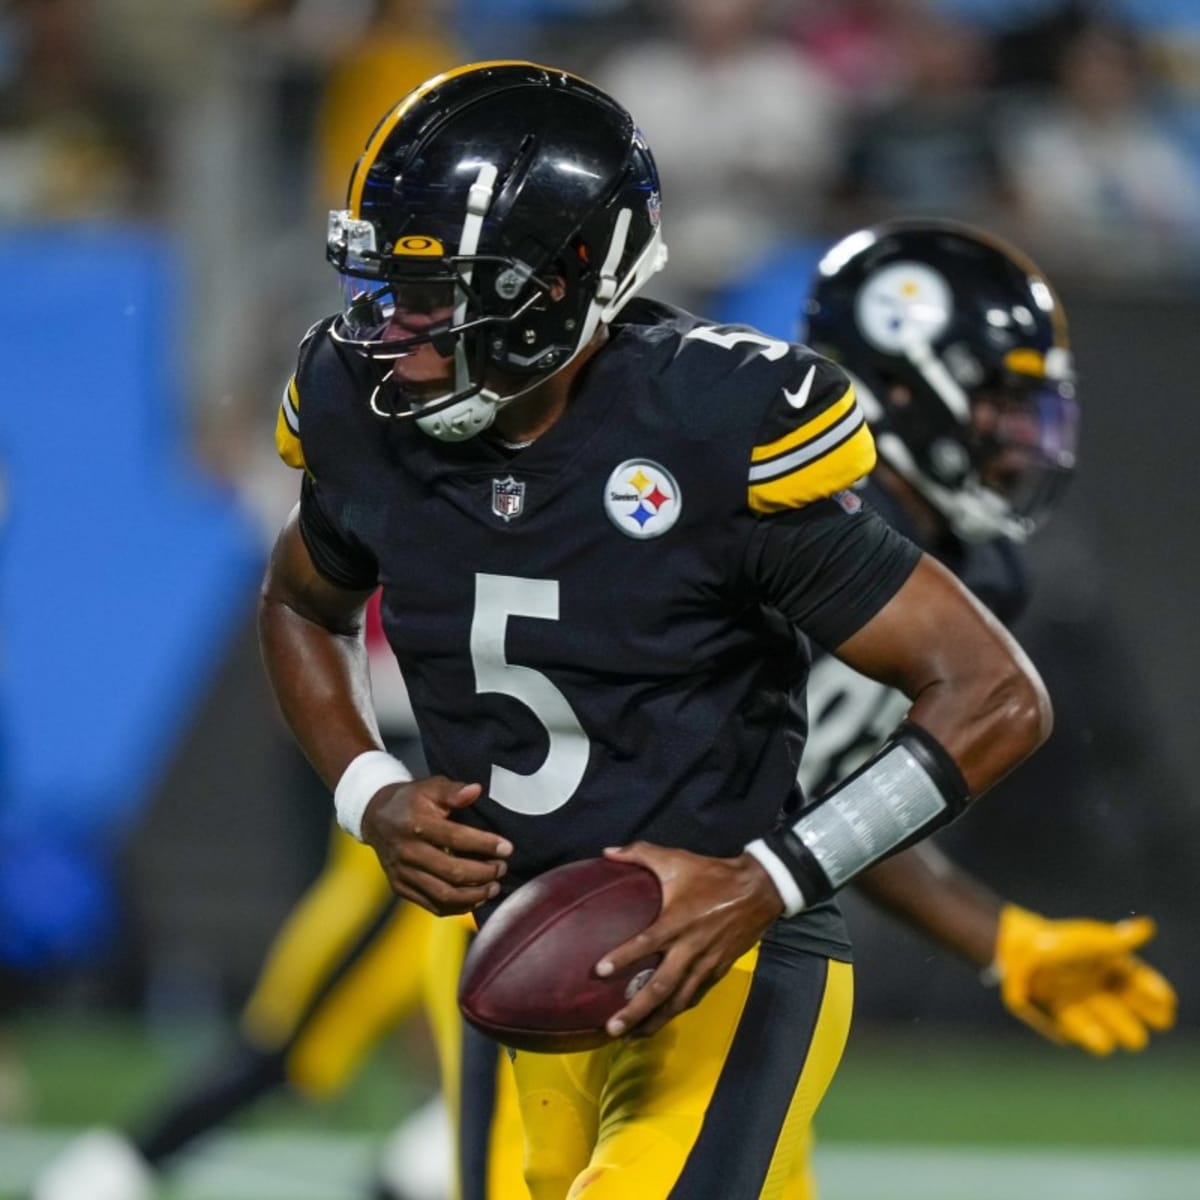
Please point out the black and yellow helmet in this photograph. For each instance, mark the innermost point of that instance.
(959, 349)
(517, 199)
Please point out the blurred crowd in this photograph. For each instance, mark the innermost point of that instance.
(1073, 127)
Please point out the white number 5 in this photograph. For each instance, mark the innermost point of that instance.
(498, 597)
(721, 335)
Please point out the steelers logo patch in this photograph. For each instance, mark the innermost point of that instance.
(642, 499)
(902, 304)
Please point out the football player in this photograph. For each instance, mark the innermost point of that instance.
(1075, 981)
(606, 533)
(959, 354)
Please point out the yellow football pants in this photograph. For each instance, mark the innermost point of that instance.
(719, 1103)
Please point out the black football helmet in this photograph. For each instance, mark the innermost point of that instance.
(514, 208)
(958, 347)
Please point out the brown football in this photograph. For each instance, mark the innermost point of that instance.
(529, 978)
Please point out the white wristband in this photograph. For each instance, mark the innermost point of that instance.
(781, 877)
(366, 774)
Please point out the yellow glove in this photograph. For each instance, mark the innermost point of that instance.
(1077, 981)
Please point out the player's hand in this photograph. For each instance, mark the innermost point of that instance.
(713, 911)
(430, 858)
(1079, 982)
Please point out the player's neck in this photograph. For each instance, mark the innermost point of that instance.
(525, 420)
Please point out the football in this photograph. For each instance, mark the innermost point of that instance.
(529, 979)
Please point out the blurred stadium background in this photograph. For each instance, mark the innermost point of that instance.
(164, 175)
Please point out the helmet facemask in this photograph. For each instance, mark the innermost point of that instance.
(994, 456)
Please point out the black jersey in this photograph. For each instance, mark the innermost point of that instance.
(851, 715)
(607, 629)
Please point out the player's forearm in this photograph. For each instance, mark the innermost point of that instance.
(988, 709)
(321, 683)
(926, 891)
(311, 635)
(979, 708)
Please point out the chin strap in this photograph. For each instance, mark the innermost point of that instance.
(458, 422)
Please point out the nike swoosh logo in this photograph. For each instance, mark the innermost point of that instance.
(799, 398)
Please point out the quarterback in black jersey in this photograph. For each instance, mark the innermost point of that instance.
(1077, 981)
(606, 533)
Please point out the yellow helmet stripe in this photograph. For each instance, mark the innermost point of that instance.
(383, 131)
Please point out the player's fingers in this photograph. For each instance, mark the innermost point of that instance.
(1150, 996)
(656, 991)
(702, 974)
(652, 940)
(1134, 932)
(435, 894)
(460, 795)
(450, 867)
(428, 821)
(1078, 1025)
(1086, 940)
(1126, 1028)
(464, 840)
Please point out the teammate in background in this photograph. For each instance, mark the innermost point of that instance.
(605, 532)
(1075, 981)
(960, 358)
(959, 354)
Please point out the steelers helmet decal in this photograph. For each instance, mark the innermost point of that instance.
(902, 304)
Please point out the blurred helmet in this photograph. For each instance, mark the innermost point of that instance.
(958, 347)
(501, 212)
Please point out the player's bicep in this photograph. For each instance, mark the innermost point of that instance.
(294, 581)
(932, 630)
(971, 684)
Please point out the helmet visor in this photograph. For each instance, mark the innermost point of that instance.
(391, 318)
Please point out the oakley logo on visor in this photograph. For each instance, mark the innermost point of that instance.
(418, 245)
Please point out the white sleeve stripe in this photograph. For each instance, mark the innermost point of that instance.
(807, 453)
(290, 415)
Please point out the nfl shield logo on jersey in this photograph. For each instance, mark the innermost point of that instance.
(508, 498)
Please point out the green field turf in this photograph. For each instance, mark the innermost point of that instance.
(908, 1116)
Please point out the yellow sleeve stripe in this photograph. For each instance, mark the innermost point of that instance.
(287, 428)
(807, 431)
(841, 465)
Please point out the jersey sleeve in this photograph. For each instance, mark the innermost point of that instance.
(287, 428)
(828, 567)
(813, 439)
(342, 560)
(287, 421)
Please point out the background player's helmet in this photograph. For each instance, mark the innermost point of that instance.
(958, 347)
(521, 201)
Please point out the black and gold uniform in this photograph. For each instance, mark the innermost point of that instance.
(604, 630)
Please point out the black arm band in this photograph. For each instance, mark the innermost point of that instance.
(911, 787)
